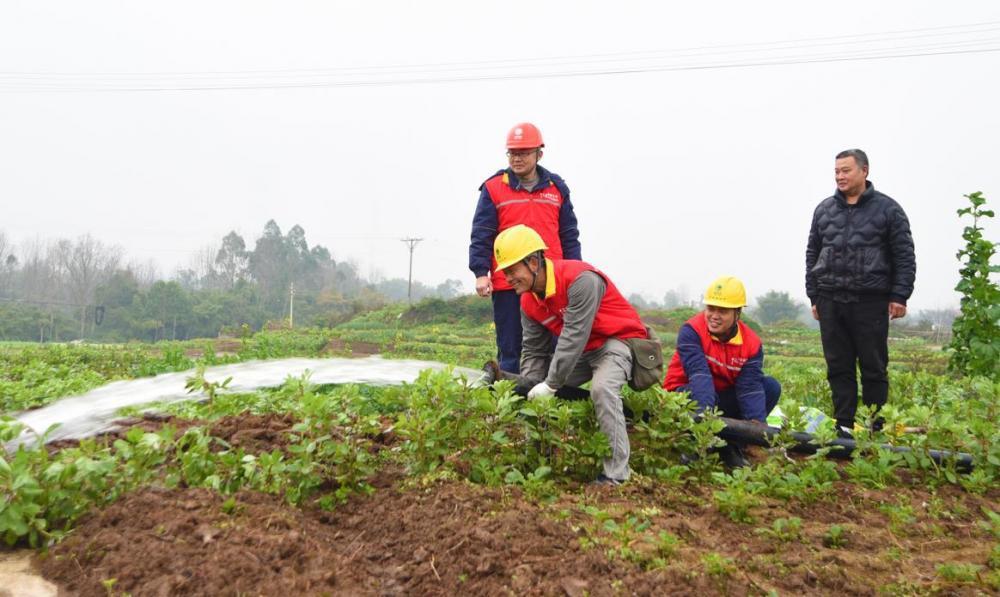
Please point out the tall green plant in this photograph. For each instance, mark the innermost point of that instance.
(976, 332)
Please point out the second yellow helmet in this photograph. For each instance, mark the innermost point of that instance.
(516, 243)
(727, 292)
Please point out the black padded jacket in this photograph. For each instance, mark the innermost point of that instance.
(861, 251)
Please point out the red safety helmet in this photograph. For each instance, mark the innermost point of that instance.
(524, 136)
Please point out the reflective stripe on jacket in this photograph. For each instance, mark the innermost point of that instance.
(615, 317)
(503, 203)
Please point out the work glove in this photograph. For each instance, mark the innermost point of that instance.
(541, 390)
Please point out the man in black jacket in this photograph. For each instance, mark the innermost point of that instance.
(860, 268)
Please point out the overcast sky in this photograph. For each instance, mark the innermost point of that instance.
(162, 126)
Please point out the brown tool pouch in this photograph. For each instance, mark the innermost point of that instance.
(647, 361)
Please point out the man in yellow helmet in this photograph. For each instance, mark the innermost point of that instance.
(720, 361)
(575, 302)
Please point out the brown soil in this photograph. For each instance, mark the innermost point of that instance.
(449, 538)
(253, 433)
(355, 347)
(227, 346)
(455, 538)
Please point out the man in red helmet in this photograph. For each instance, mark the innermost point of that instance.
(523, 193)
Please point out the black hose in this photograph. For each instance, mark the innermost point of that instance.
(760, 435)
(745, 431)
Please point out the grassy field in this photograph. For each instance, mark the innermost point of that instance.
(441, 488)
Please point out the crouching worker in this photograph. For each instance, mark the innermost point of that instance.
(720, 362)
(592, 320)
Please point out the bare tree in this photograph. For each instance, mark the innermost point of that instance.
(145, 274)
(4, 246)
(37, 279)
(85, 264)
(202, 272)
(7, 263)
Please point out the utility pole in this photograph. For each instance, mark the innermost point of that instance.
(411, 243)
(291, 305)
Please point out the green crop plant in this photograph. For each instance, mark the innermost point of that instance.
(428, 425)
(835, 537)
(994, 560)
(670, 431)
(958, 573)
(667, 544)
(109, 585)
(198, 383)
(536, 484)
(738, 497)
(992, 523)
(901, 517)
(806, 481)
(717, 565)
(871, 465)
(627, 538)
(975, 340)
(45, 493)
(783, 530)
(623, 538)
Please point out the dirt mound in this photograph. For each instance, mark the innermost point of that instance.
(254, 433)
(454, 538)
(158, 542)
(356, 347)
(450, 540)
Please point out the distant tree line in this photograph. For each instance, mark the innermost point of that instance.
(776, 307)
(68, 289)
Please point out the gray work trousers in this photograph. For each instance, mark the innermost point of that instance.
(608, 368)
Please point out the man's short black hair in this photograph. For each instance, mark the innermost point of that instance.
(859, 156)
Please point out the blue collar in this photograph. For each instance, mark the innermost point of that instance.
(544, 178)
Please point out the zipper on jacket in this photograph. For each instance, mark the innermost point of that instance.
(848, 271)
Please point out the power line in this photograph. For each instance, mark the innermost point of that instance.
(494, 78)
(857, 47)
(869, 38)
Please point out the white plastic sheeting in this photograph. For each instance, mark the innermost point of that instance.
(94, 412)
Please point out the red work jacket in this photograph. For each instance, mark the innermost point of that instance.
(725, 359)
(615, 317)
(538, 209)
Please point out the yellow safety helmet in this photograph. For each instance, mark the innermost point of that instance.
(727, 292)
(516, 243)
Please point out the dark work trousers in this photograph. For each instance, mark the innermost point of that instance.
(730, 406)
(855, 334)
(507, 318)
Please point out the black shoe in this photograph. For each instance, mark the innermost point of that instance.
(844, 432)
(689, 459)
(630, 416)
(603, 479)
(878, 424)
(491, 373)
(733, 456)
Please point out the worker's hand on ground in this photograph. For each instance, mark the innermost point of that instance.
(484, 287)
(896, 310)
(815, 313)
(541, 390)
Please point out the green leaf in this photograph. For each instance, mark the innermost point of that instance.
(514, 477)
